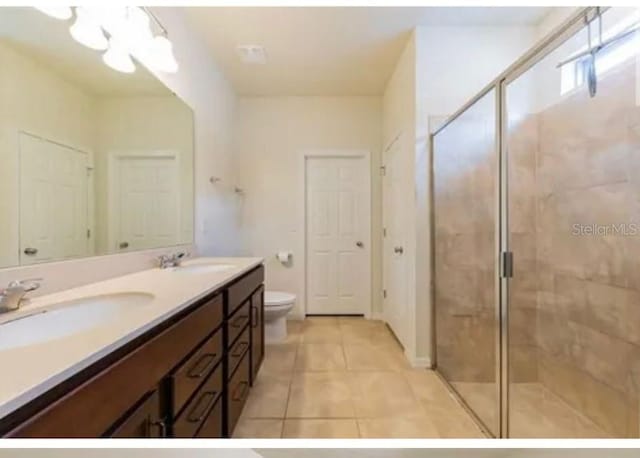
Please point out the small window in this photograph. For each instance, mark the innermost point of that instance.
(573, 74)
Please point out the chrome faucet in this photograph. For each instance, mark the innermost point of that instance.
(172, 260)
(12, 296)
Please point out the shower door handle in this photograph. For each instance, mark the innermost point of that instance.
(506, 267)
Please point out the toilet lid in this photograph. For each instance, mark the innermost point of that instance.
(278, 298)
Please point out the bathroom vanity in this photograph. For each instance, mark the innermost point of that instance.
(184, 371)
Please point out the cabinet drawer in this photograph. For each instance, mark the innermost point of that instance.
(197, 410)
(237, 393)
(239, 349)
(143, 421)
(217, 308)
(195, 370)
(212, 426)
(242, 289)
(238, 321)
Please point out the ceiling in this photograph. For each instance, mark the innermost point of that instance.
(329, 50)
(49, 42)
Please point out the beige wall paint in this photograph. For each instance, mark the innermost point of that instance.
(272, 133)
(125, 124)
(33, 99)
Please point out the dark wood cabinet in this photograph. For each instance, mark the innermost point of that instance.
(257, 332)
(187, 377)
(143, 421)
(195, 414)
(237, 393)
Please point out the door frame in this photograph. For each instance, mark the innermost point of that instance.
(302, 220)
(113, 177)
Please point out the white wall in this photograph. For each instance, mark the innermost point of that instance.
(271, 135)
(201, 84)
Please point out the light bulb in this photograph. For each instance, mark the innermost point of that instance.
(139, 26)
(58, 12)
(87, 31)
(161, 55)
(118, 58)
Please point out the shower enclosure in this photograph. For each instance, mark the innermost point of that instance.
(536, 235)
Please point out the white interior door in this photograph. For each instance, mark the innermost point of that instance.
(338, 230)
(147, 196)
(395, 220)
(54, 220)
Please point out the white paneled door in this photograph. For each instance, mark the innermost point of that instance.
(54, 215)
(147, 196)
(395, 221)
(338, 248)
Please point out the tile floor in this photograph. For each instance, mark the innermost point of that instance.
(347, 378)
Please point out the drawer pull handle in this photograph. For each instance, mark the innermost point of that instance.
(243, 387)
(239, 349)
(162, 428)
(198, 370)
(254, 316)
(239, 321)
(202, 413)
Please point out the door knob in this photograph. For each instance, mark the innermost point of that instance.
(398, 250)
(359, 244)
(124, 245)
(30, 251)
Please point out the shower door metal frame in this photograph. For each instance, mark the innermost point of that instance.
(547, 45)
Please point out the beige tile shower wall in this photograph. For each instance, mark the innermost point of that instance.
(523, 142)
(464, 168)
(588, 286)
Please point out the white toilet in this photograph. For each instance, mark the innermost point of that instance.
(276, 306)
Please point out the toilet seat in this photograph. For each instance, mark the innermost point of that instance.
(278, 298)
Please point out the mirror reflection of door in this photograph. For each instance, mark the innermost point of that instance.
(145, 189)
(54, 223)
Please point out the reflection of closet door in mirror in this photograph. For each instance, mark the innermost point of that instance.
(146, 190)
(53, 201)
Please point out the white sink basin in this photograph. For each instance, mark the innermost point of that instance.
(28, 327)
(203, 268)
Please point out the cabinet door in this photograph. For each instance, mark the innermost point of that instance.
(144, 421)
(257, 332)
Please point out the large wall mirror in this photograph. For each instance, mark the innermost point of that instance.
(92, 161)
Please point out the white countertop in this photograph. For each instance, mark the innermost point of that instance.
(27, 372)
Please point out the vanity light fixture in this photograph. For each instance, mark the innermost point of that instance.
(130, 26)
(161, 55)
(87, 30)
(57, 12)
(118, 58)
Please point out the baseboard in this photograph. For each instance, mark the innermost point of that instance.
(419, 362)
(377, 316)
(295, 316)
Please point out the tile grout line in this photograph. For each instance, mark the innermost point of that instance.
(293, 374)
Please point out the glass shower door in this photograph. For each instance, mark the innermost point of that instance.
(464, 236)
(574, 209)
